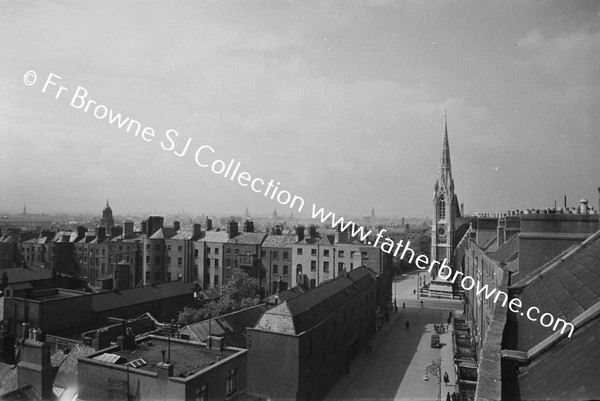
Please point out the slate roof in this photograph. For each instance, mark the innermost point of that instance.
(215, 236)
(110, 300)
(232, 327)
(565, 287)
(248, 239)
(279, 241)
(507, 251)
(26, 274)
(307, 310)
(163, 233)
(568, 371)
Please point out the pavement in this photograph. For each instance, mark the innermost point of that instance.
(395, 368)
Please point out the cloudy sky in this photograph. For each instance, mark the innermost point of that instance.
(341, 101)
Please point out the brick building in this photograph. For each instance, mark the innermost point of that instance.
(301, 347)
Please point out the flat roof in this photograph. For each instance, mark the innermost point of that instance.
(187, 357)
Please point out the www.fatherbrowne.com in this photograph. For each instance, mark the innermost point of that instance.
(468, 283)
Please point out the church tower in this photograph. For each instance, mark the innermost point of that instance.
(107, 218)
(444, 207)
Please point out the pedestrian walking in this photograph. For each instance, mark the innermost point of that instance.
(446, 379)
(421, 304)
(448, 397)
(414, 292)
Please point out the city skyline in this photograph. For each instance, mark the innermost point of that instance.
(343, 103)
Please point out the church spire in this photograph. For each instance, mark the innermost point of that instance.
(445, 164)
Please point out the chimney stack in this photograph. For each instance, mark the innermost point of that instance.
(583, 206)
(208, 224)
(300, 233)
(176, 225)
(312, 231)
(128, 229)
(35, 367)
(248, 226)
(232, 229)
(197, 230)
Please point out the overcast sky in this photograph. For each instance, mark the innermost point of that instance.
(341, 101)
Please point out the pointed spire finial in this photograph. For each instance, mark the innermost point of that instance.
(106, 201)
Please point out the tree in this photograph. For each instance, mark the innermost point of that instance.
(239, 292)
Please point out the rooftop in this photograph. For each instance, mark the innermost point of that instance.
(248, 238)
(187, 357)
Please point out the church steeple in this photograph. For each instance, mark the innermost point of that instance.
(445, 168)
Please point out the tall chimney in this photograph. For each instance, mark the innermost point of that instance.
(197, 230)
(312, 231)
(128, 229)
(208, 224)
(462, 209)
(232, 229)
(248, 226)
(176, 225)
(300, 233)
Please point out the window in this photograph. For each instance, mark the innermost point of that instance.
(195, 253)
(275, 255)
(147, 247)
(157, 247)
(442, 207)
(286, 255)
(263, 254)
(340, 266)
(230, 384)
(236, 251)
(313, 265)
(202, 393)
(169, 248)
(147, 259)
(168, 276)
(313, 252)
(228, 250)
(120, 248)
(298, 269)
(299, 251)
(147, 276)
(180, 248)
(275, 269)
(326, 252)
(326, 266)
(285, 270)
(208, 250)
(216, 262)
(216, 280)
(179, 261)
(341, 254)
(216, 251)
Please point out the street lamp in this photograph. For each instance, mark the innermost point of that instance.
(435, 369)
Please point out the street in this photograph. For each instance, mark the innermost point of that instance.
(395, 369)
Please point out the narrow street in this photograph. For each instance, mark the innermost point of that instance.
(395, 369)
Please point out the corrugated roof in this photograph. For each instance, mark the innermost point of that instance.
(133, 296)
